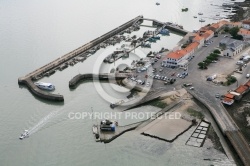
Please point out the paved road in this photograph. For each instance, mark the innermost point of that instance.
(205, 92)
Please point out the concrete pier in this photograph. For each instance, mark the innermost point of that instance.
(174, 28)
(105, 76)
(40, 93)
(27, 79)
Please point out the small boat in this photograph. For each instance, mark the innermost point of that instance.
(107, 125)
(164, 31)
(200, 13)
(202, 20)
(184, 9)
(24, 135)
(157, 3)
(45, 86)
(156, 37)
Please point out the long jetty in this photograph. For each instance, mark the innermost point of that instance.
(27, 79)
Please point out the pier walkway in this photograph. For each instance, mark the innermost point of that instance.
(168, 25)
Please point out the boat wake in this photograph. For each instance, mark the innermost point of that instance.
(51, 119)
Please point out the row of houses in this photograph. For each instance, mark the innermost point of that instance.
(179, 56)
(237, 94)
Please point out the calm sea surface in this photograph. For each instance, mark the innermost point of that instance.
(33, 33)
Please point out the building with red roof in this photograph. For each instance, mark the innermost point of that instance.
(245, 33)
(246, 24)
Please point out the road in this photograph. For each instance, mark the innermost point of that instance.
(205, 92)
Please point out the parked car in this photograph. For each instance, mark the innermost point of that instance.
(248, 75)
(191, 88)
(160, 70)
(217, 95)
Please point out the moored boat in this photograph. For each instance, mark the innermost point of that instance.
(45, 86)
(201, 20)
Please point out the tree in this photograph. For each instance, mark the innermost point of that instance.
(239, 37)
(234, 31)
(202, 65)
(216, 51)
(226, 29)
(208, 61)
(210, 58)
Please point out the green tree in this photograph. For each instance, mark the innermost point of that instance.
(216, 51)
(210, 58)
(234, 31)
(208, 61)
(226, 29)
(239, 37)
(202, 65)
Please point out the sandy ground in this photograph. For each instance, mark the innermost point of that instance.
(166, 127)
(174, 122)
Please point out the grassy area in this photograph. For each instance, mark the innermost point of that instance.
(195, 113)
(158, 103)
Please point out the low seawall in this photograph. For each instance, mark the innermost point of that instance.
(36, 91)
(105, 77)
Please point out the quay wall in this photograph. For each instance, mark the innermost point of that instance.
(106, 76)
(36, 91)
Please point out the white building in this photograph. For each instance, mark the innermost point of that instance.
(231, 47)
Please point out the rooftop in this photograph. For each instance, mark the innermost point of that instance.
(176, 55)
(244, 31)
(207, 34)
(246, 22)
(191, 46)
(198, 37)
(241, 89)
(227, 101)
(247, 83)
(229, 95)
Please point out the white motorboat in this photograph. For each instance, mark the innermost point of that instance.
(24, 135)
(202, 20)
(45, 86)
(200, 13)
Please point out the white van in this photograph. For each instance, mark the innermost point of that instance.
(239, 62)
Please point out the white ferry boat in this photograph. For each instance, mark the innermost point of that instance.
(45, 86)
